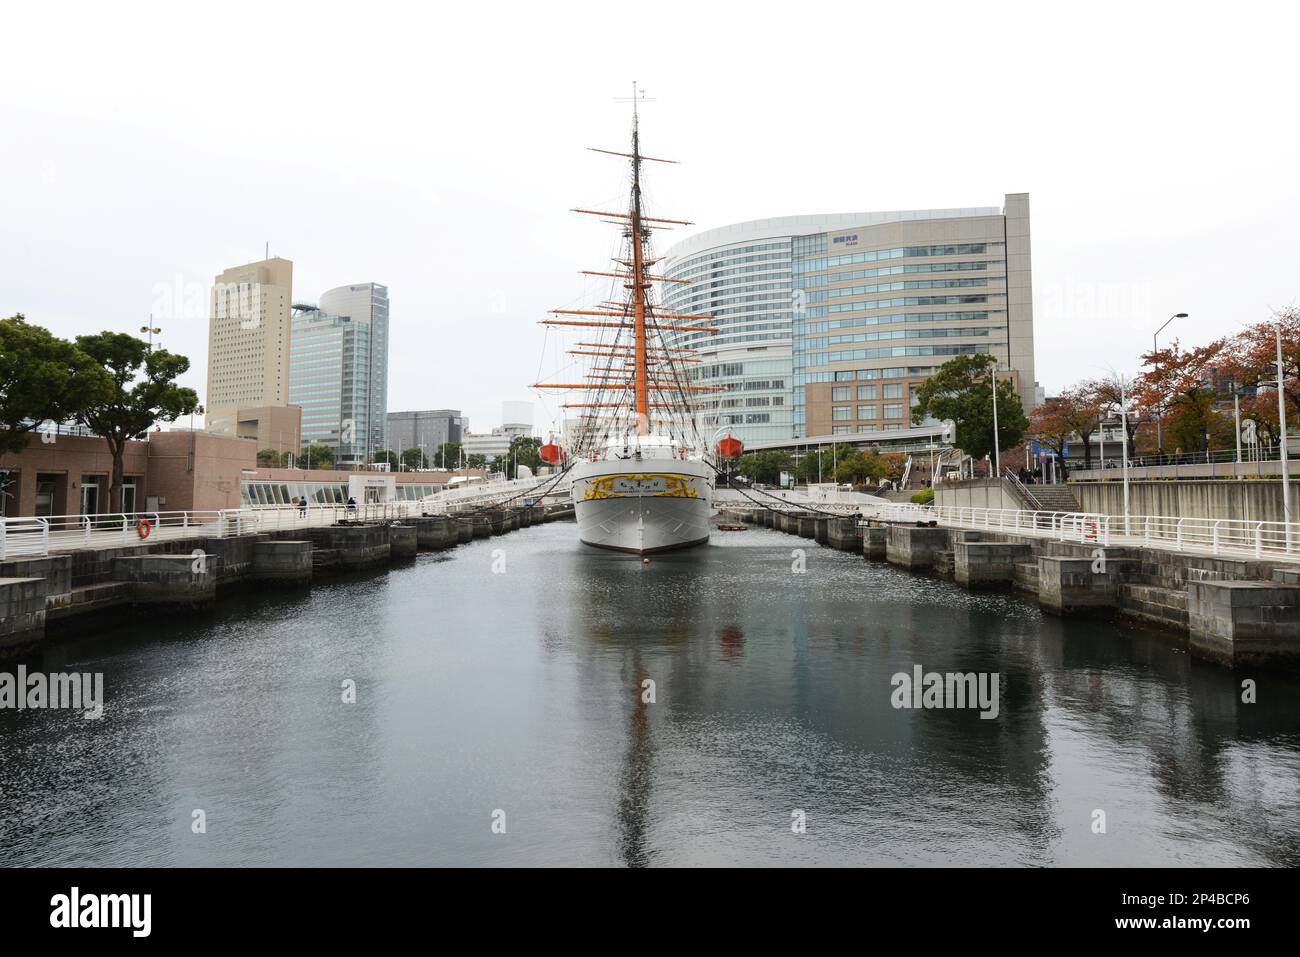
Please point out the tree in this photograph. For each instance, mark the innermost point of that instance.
(143, 391)
(1178, 385)
(961, 390)
(1052, 424)
(764, 467)
(476, 461)
(1250, 356)
(523, 451)
(316, 457)
(413, 459)
(42, 378)
(385, 455)
(271, 459)
(447, 455)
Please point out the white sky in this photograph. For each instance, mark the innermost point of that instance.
(438, 148)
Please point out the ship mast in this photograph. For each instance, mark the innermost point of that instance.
(639, 366)
(639, 285)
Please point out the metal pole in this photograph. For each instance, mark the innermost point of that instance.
(1281, 421)
(1236, 418)
(997, 457)
(1123, 436)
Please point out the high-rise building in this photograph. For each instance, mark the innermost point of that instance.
(248, 340)
(427, 430)
(338, 372)
(366, 304)
(828, 324)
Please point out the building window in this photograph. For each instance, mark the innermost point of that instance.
(866, 392)
(866, 412)
(893, 391)
(841, 412)
(893, 411)
(841, 394)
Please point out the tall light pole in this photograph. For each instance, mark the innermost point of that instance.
(1281, 420)
(1123, 438)
(997, 454)
(1160, 445)
(152, 330)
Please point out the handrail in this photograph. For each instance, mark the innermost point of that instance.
(1211, 536)
(1023, 489)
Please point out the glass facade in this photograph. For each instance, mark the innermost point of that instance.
(338, 371)
(746, 289)
(806, 307)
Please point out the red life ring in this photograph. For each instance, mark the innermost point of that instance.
(143, 528)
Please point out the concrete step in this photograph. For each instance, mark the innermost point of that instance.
(1164, 606)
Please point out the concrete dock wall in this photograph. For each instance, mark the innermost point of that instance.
(88, 589)
(1232, 611)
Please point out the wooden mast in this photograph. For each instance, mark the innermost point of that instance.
(638, 281)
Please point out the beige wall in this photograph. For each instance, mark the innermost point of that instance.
(1011, 331)
(248, 338)
(191, 470)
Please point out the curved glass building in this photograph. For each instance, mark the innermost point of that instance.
(826, 325)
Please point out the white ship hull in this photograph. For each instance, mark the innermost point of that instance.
(651, 505)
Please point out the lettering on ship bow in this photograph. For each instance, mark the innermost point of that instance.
(658, 484)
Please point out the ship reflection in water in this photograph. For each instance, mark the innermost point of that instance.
(677, 713)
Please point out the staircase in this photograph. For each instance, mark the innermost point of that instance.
(1054, 498)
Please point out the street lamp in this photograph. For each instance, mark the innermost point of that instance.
(152, 331)
(1160, 445)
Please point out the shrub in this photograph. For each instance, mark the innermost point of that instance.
(924, 497)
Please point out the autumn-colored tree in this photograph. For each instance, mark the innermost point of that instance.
(1177, 385)
(1052, 424)
(1250, 357)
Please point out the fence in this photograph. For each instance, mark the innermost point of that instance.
(1227, 537)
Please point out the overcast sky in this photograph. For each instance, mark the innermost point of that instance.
(438, 148)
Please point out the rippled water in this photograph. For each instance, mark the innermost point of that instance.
(522, 691)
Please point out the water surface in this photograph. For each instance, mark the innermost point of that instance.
(521, 691)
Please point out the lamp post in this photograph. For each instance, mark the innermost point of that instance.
(1123, 436)
(1281, 421)
(997, 453)
(152, 330)
(1160, 445)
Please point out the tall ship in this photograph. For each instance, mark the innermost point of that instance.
(642, 475)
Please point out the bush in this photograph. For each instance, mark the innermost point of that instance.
(924, 497)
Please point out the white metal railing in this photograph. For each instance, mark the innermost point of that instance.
(37, 537)
(493, 491)
(1222, 536)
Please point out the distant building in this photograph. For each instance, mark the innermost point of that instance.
(248, 338)
(428, 430)
(496, 443)
(339, 369)
(366, 304)
(276, 427)
(517, 413)
(828, 324)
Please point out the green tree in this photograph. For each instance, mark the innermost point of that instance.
(271, 459)
(144, 391)
(765, 467)
(523, 451)
(42, 378)
(446, 456)
(316, 457)
(413, 459)
(385, 455)
(962, 391)
(476, 461)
